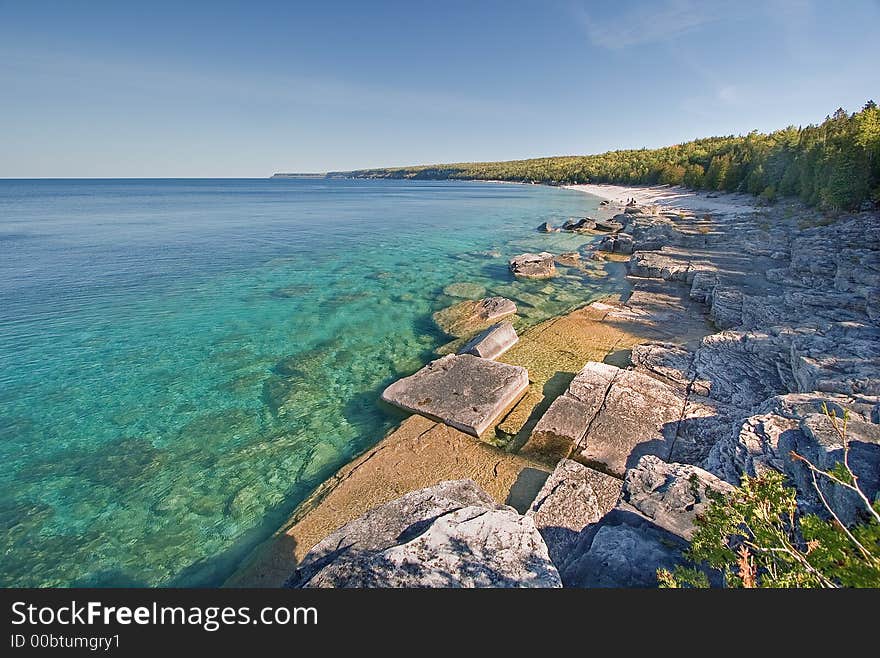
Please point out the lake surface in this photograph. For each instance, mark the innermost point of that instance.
(148, 329)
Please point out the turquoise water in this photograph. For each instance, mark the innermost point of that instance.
(183, 361)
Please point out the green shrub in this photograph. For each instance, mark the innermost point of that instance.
(756, 537)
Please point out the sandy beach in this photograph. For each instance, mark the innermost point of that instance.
(671, 197)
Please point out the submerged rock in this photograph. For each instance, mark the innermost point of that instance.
(569, 258)
(465, 290)
(465, 318)
(463, 391)
(533, 266)
(493, 342)
(448, 535)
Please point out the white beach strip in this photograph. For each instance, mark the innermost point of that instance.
(668, 196)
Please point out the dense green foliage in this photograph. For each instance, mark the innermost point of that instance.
(756, 537)
(834, 165)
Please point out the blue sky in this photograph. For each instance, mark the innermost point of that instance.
(118, 89)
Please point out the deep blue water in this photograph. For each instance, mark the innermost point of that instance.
(142, 323)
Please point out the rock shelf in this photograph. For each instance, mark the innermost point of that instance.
(740, 324)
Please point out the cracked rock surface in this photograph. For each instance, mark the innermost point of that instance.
(448, 535)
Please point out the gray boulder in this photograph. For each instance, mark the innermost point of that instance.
(790, 423)
(671, 495)
(624, 550)
(463, 391)
(448, 535)
(619, 243)
(533, 266)
(493, 342)
(608, 225)
(647, 530)
(546, 227)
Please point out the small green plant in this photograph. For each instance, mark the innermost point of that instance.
(756, 536)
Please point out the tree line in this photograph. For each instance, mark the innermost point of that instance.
(833, 165)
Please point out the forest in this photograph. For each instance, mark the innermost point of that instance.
(834, 165)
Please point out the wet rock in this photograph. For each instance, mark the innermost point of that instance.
(561, 427)
(572, 498)
(583, 223)
(569, 258)
(463, 391)
(465, 290)
(533, 266)
(448, 535)
(465, 318)
(621, 243)
(493, 342)
(546, 227)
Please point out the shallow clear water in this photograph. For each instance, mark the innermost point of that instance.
(149, 329)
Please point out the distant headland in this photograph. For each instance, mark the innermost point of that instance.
(299, 175)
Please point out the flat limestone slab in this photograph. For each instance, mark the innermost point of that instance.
(637, 415)
(493, 342)
(463, 391)
(564, 425)
(561, 427)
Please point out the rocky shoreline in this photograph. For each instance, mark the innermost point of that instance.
(741, 322)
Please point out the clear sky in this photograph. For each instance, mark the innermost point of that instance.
(124, 88)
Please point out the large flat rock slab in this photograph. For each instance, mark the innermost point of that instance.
(463, 391)
(565, 423)
(638, 415)
(609, 418)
